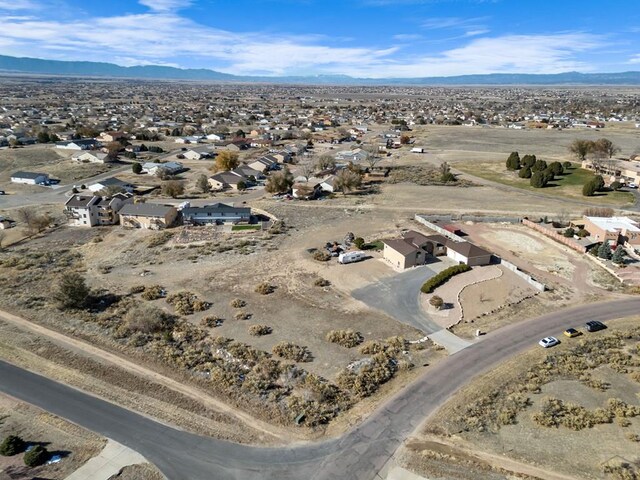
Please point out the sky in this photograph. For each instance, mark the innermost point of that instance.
(359, 38)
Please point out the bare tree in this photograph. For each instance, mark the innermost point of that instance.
(607, 147)
(202, 183)
(347, 181)
(325, 162)
(373, 156)
(581, 148)
(307, 169)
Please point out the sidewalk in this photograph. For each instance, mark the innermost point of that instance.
(109, 462)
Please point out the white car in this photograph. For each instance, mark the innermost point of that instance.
(548, 342)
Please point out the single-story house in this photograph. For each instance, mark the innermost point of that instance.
(112, 136)
(414, 248)
(111, 182)
(216, 214)
(191, 139)
(83, 144)
(30, 178)
(247, 172)
(198, 153)
(264, 164)
(170, 167)
(617, 230)
(327, 185)
(148, 216)
(91, 157)
(224, 180)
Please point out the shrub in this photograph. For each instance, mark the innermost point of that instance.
(615, 186)
(238, 303)
(569, 232)
(242, 315)
(539, 166)
(186, 303)
(291, 351)
(211, 321)
(259, 330)
(153, 292)
(72, 292)
(528, 161)
(513, 162)
(321, 256)
(525, 172)
(434, 282)
(321, 282)
(538, 180)
(147, 319)
(556, 168)
(36, 456)
(345, 338)
(265, 288)
(582, 233)
(436, 301)
(371, 347)
(358, 242)
(136, 168)
(566, 165)
(589, 189)
(604, 250)
(12, 445)
(136, 289)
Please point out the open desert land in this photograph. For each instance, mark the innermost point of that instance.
(571, 412)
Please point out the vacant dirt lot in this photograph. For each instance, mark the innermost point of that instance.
(595, 377)
(59, 437)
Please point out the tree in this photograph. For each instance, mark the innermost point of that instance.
(34, 222)
(36, 456)
(307, 170)
(226, 161)
(325, 162)
(607, 147)
(604, 250)
(136, 168)
(445, 173)
(436, 302)
(615, 186)
(566, 165)
(279, 182)
(202, 183)
(618, 255)
(599, 182)
(241, 185)
(581, 148)
(405, 139)
(528, 161)
(347, 181)
(569, 232)
(589, 189)
(113, 149)
(513, 162)
(525, 172)
(373, 156)
(12, 445)
(556, 168)
(71, 291)
(538, 180)
(43, 137)
(173, 188)
(358, 242)
(539, 166)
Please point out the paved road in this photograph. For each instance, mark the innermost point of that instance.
(359, 454)
(399, 296)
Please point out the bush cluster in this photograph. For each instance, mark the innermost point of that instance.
(259, 330)
(237, 303)
(434, 282)
(152, 292)
(345, 338)
(321, 256)
(321, 282)
(265, 288)
(187, 303)
(291, 351)
(368, 379)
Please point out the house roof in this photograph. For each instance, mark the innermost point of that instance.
(401, 246)
(230, 178)
(216, 208)
(467, 249)
(30, 175)
(145, 210)
(79, 201)
(415, 238)
(614, 224)
(113, 181)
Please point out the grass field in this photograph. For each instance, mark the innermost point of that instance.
(567, 185)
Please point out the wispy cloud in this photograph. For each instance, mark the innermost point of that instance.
(17, 5)
(166, 5)
(453, 22)
(635, 59)
(475, 33)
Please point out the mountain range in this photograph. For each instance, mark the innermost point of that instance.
(36, 66)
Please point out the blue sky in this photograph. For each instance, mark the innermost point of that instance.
(364, 38)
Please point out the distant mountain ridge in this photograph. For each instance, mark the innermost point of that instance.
(99, 69)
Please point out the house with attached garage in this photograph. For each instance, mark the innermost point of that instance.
(91, 157)
(216, 214)
(223, 180)
(149, 216)
(30, 178)
(83, 144)
(414, 248)
(169, 167)
(198, 153)
(112, 182)
(264, 164)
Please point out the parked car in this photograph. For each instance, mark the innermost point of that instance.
(594, 326)
(548, 342)
(2, 192)
(572, 332)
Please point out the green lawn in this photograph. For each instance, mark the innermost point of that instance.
(567, 185)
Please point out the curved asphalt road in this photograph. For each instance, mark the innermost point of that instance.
(359, 454)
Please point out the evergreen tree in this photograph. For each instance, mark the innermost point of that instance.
(525, 172)
(604, 251)
(539, 166)
(513, 162)
(556, 168)
(589, 189)
(618, 255)
(529, 160)
(538, 180)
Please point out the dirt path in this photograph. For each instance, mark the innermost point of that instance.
(449, 448)
(148, 374)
